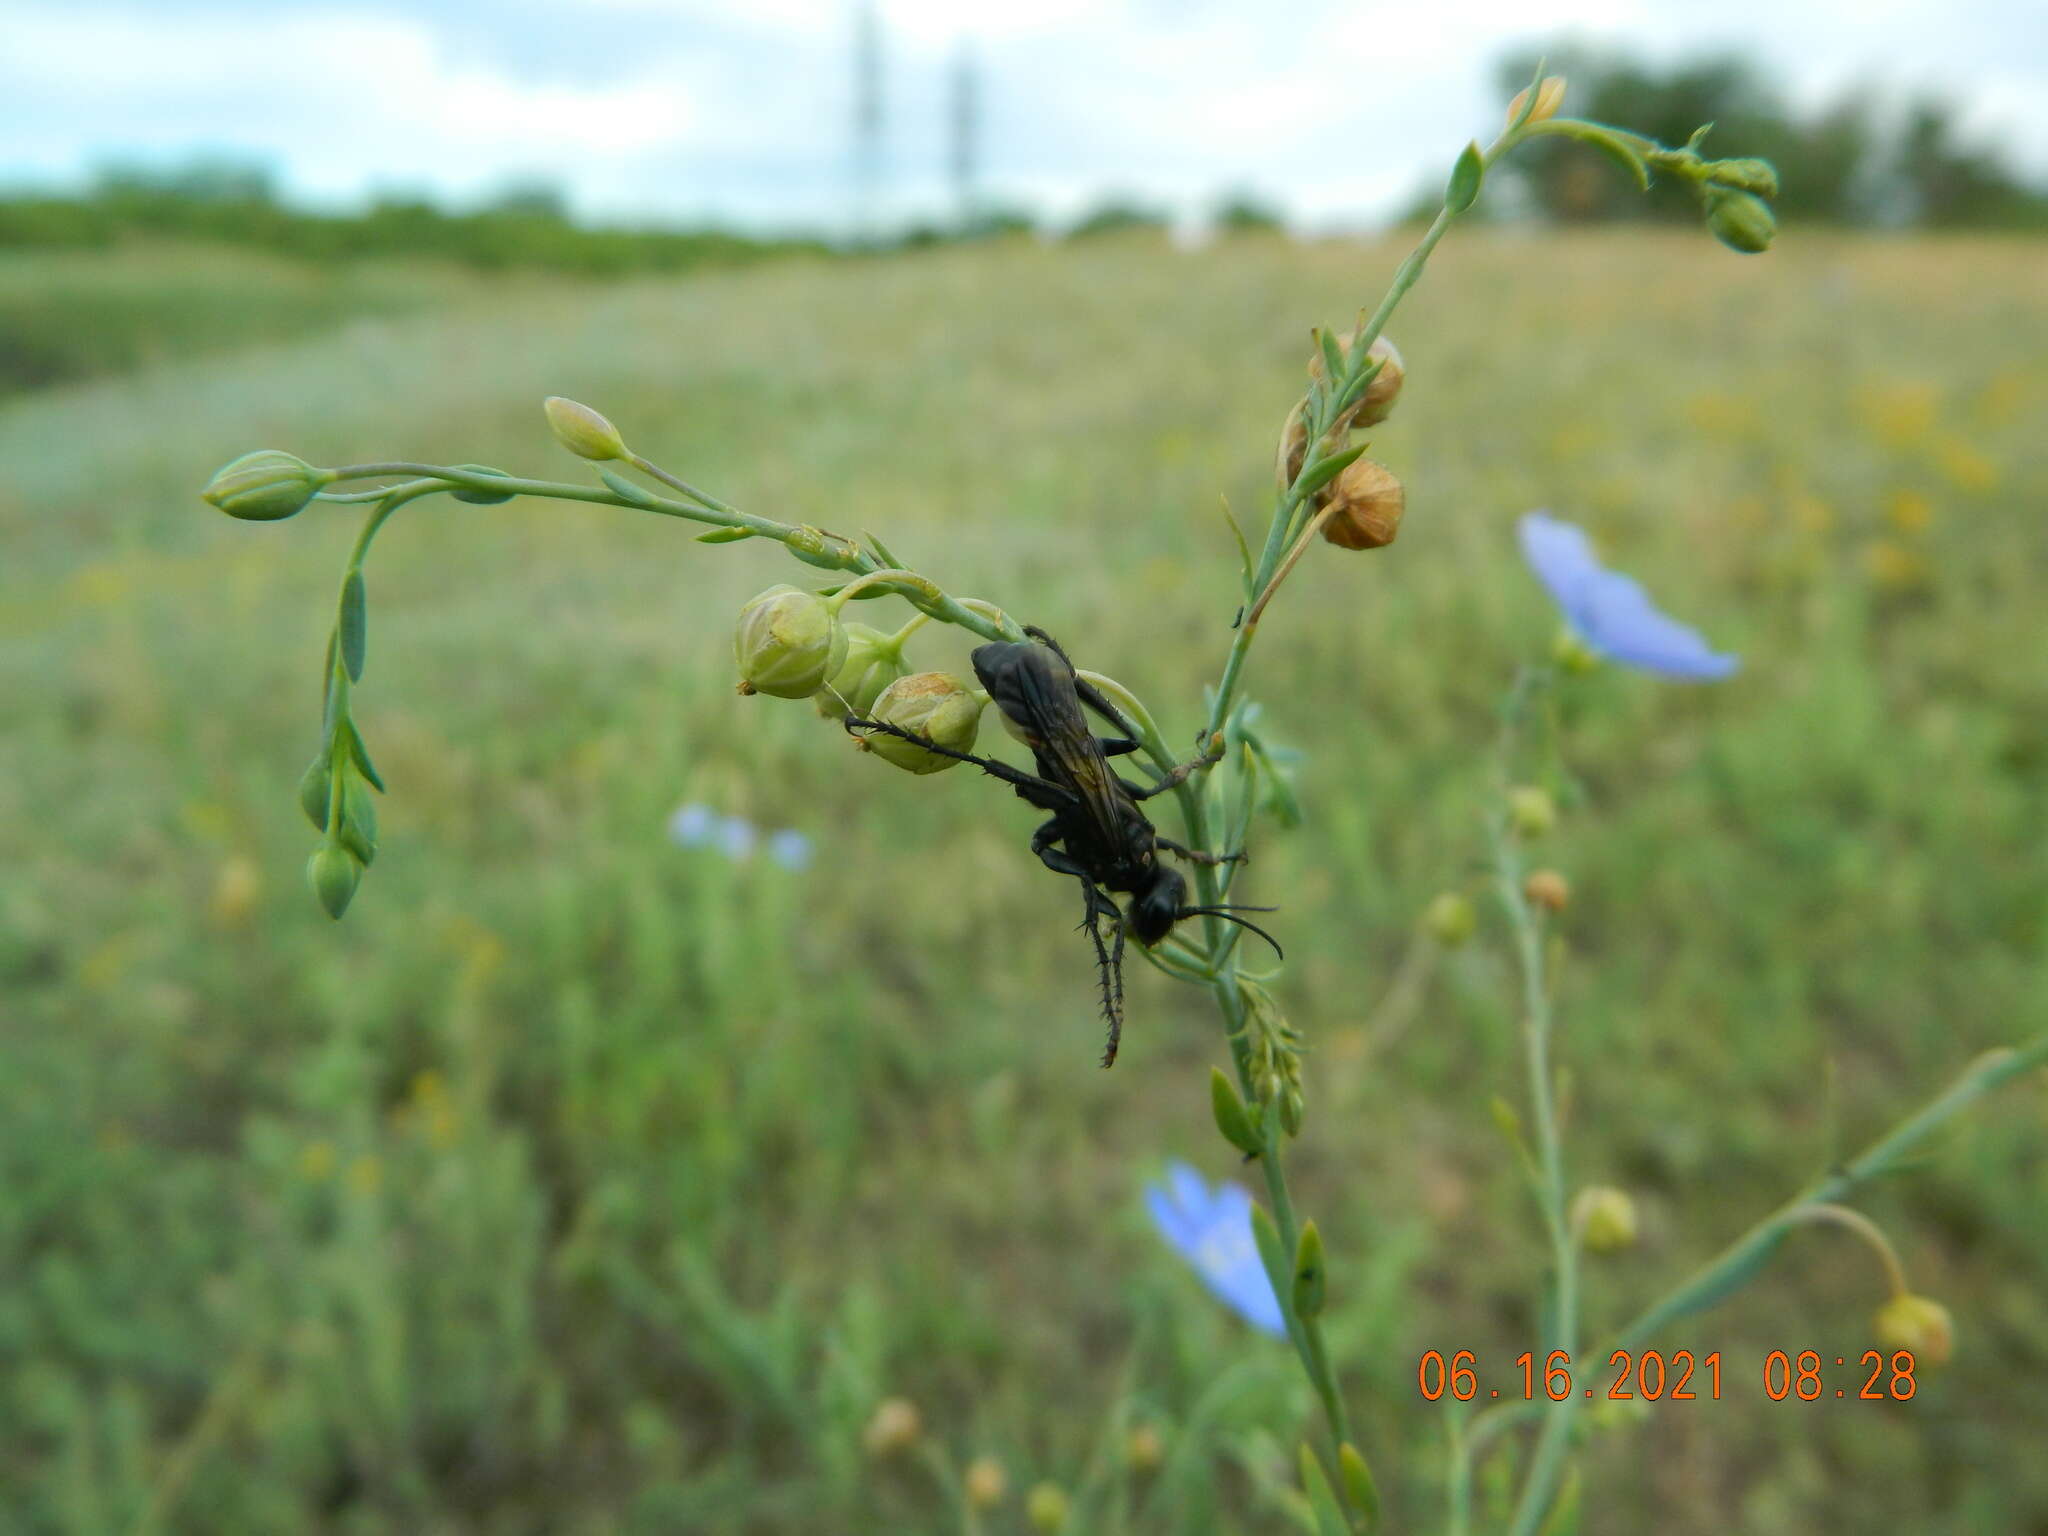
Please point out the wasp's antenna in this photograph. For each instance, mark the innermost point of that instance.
(1229, 915)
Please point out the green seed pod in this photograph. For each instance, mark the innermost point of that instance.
(1291, 1110)
(1917, 1323)
(873, 661)
(334, 873)
(1046, 1508)
(1531, 811)
(787, 643)
(1742, 221)
(1605, 1218)
(1310, 1274)
(583, 431)
(934, 705)
(315, 790)
(265, 486)
(1451, 920)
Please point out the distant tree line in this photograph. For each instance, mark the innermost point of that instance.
(1859, 161)
(528, 226)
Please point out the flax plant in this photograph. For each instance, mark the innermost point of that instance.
(793, 642)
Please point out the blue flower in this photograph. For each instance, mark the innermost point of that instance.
(1611, 612)
(1213, 1232)
(790, 848)
(692, 826)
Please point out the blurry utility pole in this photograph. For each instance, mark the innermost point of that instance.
(867, 120)
(965, 123)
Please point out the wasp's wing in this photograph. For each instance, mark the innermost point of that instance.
(1033, 685)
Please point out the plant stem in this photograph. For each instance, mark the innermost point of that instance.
(1546, 1470)
(858, 562)
(1741, 1259)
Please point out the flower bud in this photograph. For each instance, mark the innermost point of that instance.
(1758, 176)
(334, 872)
(1549, 97)
(1919, 1324)
(265, 486)
(1144, 1451)
(1369, 502)
(985, 1483)
(894, 1428)
(1046, 1508)
(1450, 920)
(1531, 811)
(935, 705)
(787, 643)
(873, 661)
(1605, 1218)
(1547, 888)
(1742, 221)
(582, 431)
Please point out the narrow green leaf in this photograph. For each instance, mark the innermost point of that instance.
(327, 694)
(1309, 1274)
(1359, 1487)
(725, 536)
(1333, 355)
(1232, 1118)
(481, 498)
(1267, 1236)
(357, 831)
(1244, 552)
(316, 788)
(1323, 471)
(1621, 152)
(355, 625)
(1322, 1499)
(1466, 176)
(887, 555)
(359, 754)
(1360, 385)
(619, 485)
(1529, 95)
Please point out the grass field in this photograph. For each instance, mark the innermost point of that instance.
(579, 1182)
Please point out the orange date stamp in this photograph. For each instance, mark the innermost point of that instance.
(1652, 1376)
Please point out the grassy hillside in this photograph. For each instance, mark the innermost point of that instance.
(579, 1182)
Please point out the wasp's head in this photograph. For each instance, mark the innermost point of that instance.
(1158, 905)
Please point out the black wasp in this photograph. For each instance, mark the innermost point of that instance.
(1097, 831)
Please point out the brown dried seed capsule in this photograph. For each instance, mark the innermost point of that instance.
(1368, 503)
(1548, 888)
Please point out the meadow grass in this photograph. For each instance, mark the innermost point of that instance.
(578, 1182)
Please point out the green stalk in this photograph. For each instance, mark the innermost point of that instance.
(856, 561)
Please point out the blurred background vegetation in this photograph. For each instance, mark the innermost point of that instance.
(579, 1182)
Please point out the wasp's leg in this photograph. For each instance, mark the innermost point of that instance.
(1042, 793)
(1207, 759)
(1194, 857)
(1109, 961)
(1116, 746)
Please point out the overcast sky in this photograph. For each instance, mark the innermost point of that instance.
(740, 109)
